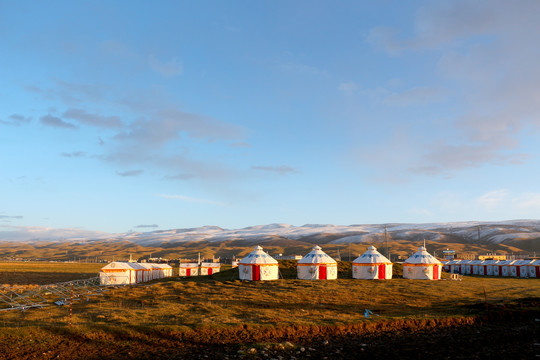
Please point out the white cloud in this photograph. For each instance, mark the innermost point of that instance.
(488, 52)
(26, 233)
(493, 200)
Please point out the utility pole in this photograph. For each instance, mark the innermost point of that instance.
(386, 241)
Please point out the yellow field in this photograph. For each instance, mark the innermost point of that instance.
(22, 273)
(222, 301)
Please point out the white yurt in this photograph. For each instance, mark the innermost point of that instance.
(188, 269)
(372, 265)
(119, 273)
(258, 265)
(317, 265)
(209, 268)
(534, 269)
(422, 266)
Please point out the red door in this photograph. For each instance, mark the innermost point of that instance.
(382, 271)
(188, 272)
(322, 272)
(255, 272)
(435, 272)
(537, 268)
(209, 271)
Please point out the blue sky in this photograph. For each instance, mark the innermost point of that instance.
(144, 115)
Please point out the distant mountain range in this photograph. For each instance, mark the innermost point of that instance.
(516, 236)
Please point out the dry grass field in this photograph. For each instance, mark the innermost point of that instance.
(221, 316)
(42, 273)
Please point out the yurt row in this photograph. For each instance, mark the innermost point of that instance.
(258, 265)
(193, 269)
(125, 273)
(514, 268)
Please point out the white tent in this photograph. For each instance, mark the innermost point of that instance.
(208, 268)
(504, 267)
(534, 269)
(475, 266)
(120, 273)
(317, 265)
(466, 267)
(165, 270)
(520, 268)
(455, 268)
(258, 265)
(188, 269)
(150, 272)
(422, 265)
(490, 266)
(372, 265)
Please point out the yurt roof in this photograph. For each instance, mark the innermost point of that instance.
(536, 263)
(317, 256)
(210, 264)
(372, 256)
(422, 257)
(490, 262)
(258, 256)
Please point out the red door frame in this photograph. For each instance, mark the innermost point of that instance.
(322, 272)
(255, 272)
(382, 272)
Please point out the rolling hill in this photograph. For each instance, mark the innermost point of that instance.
(513, 237)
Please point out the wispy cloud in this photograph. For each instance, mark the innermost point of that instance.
(129, 173)
(497, 93)
(27, 233)
(53, 121)
(281, 170)
(146, 226)
(16, 120)
(83, 117)
(74, 154)
(190, 199)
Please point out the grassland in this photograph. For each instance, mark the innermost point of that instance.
(218, 312)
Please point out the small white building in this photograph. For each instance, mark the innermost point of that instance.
(534, 269)
(209, 268)
(188, 269)
(422, 266)
(490, 266)
(317, 265)
(258, 265)
(121, 273)
(372, 265)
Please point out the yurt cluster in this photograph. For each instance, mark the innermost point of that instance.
(510, 268)
(317, 265)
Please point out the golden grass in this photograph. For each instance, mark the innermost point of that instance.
(219, 301)
(22, 273)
